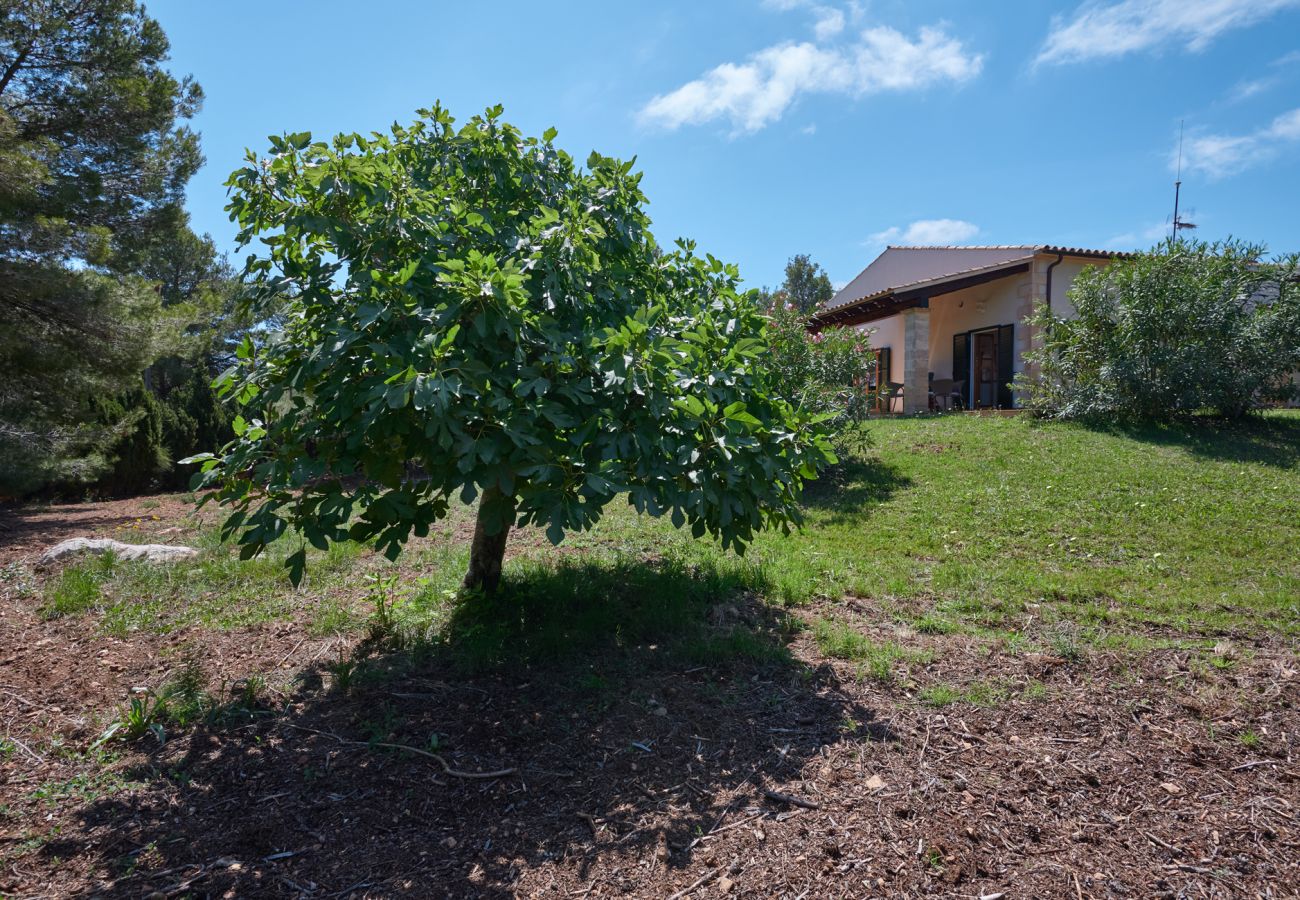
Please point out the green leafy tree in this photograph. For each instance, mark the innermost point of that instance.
(470, 314)
(807, 287)
(173, 411)
(138, 457)
(93, 164)
(1184, 328)
(827, 373)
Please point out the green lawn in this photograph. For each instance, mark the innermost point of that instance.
(949, 524)
(966, 522)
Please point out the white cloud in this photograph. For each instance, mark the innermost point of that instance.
(927, 233)
(758, 91)
(1220, 155)
(1286, 127)
(830, 22)
(1097, 30)
(1244, 90)
(1141, 238)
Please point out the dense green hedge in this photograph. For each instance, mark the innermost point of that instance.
(1186, 328)
(159, 430)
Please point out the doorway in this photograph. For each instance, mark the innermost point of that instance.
(985, 369)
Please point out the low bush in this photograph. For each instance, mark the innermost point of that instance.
(827, 372)
(1187, 327)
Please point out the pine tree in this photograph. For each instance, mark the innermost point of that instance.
(93, 165)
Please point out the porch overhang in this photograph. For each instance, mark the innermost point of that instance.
(895, 300)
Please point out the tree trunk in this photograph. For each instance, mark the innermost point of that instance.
(488, 550)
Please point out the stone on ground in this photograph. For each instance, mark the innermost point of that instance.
(154, 553)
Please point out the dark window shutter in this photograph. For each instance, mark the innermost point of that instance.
(961, 365)
(1006, 357)
(882, 375)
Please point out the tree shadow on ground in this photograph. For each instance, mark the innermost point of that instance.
(36, 528)
(1273, 440)
(854, 486)
(638, 706)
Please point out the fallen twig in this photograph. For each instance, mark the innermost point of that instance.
(23, 747)
(717, 831)
(290, 653)
(718, 822)
(1177, 851)
(446, 767)
(793, 801)
(699, 882)
(1250, 765)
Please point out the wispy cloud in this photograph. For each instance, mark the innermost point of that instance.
(1220, 155)
(1139, 238)
(1098, 30)
(757, 92)
(926, 233)
(1244, 90)
(1278, 71)
(829, 22)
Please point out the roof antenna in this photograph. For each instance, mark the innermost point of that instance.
(1179, 224)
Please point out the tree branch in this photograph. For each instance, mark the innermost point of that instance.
(13, 68)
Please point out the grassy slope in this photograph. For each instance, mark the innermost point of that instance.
(954, 523)
(975, 518)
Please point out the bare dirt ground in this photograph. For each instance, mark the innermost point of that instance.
(1113, 774)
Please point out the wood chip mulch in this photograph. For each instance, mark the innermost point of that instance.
(1114, 775)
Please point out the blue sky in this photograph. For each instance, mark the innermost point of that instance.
(773, 127)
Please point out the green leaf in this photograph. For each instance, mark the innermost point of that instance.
(296, 563)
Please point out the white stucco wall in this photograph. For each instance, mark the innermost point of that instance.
(1062, 278)
(888, 333)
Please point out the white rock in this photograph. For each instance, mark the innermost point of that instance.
(156, 553)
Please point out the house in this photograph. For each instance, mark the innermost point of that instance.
(957, 312)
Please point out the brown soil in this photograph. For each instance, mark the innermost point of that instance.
(1107, 776)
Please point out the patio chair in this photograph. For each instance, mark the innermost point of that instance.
(958, 396)
(894, 392)
(941, 393)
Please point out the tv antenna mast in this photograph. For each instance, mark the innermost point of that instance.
(1178, 223)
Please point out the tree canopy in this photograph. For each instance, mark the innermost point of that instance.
(93, 165)
(807, 286)
(470, 314)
